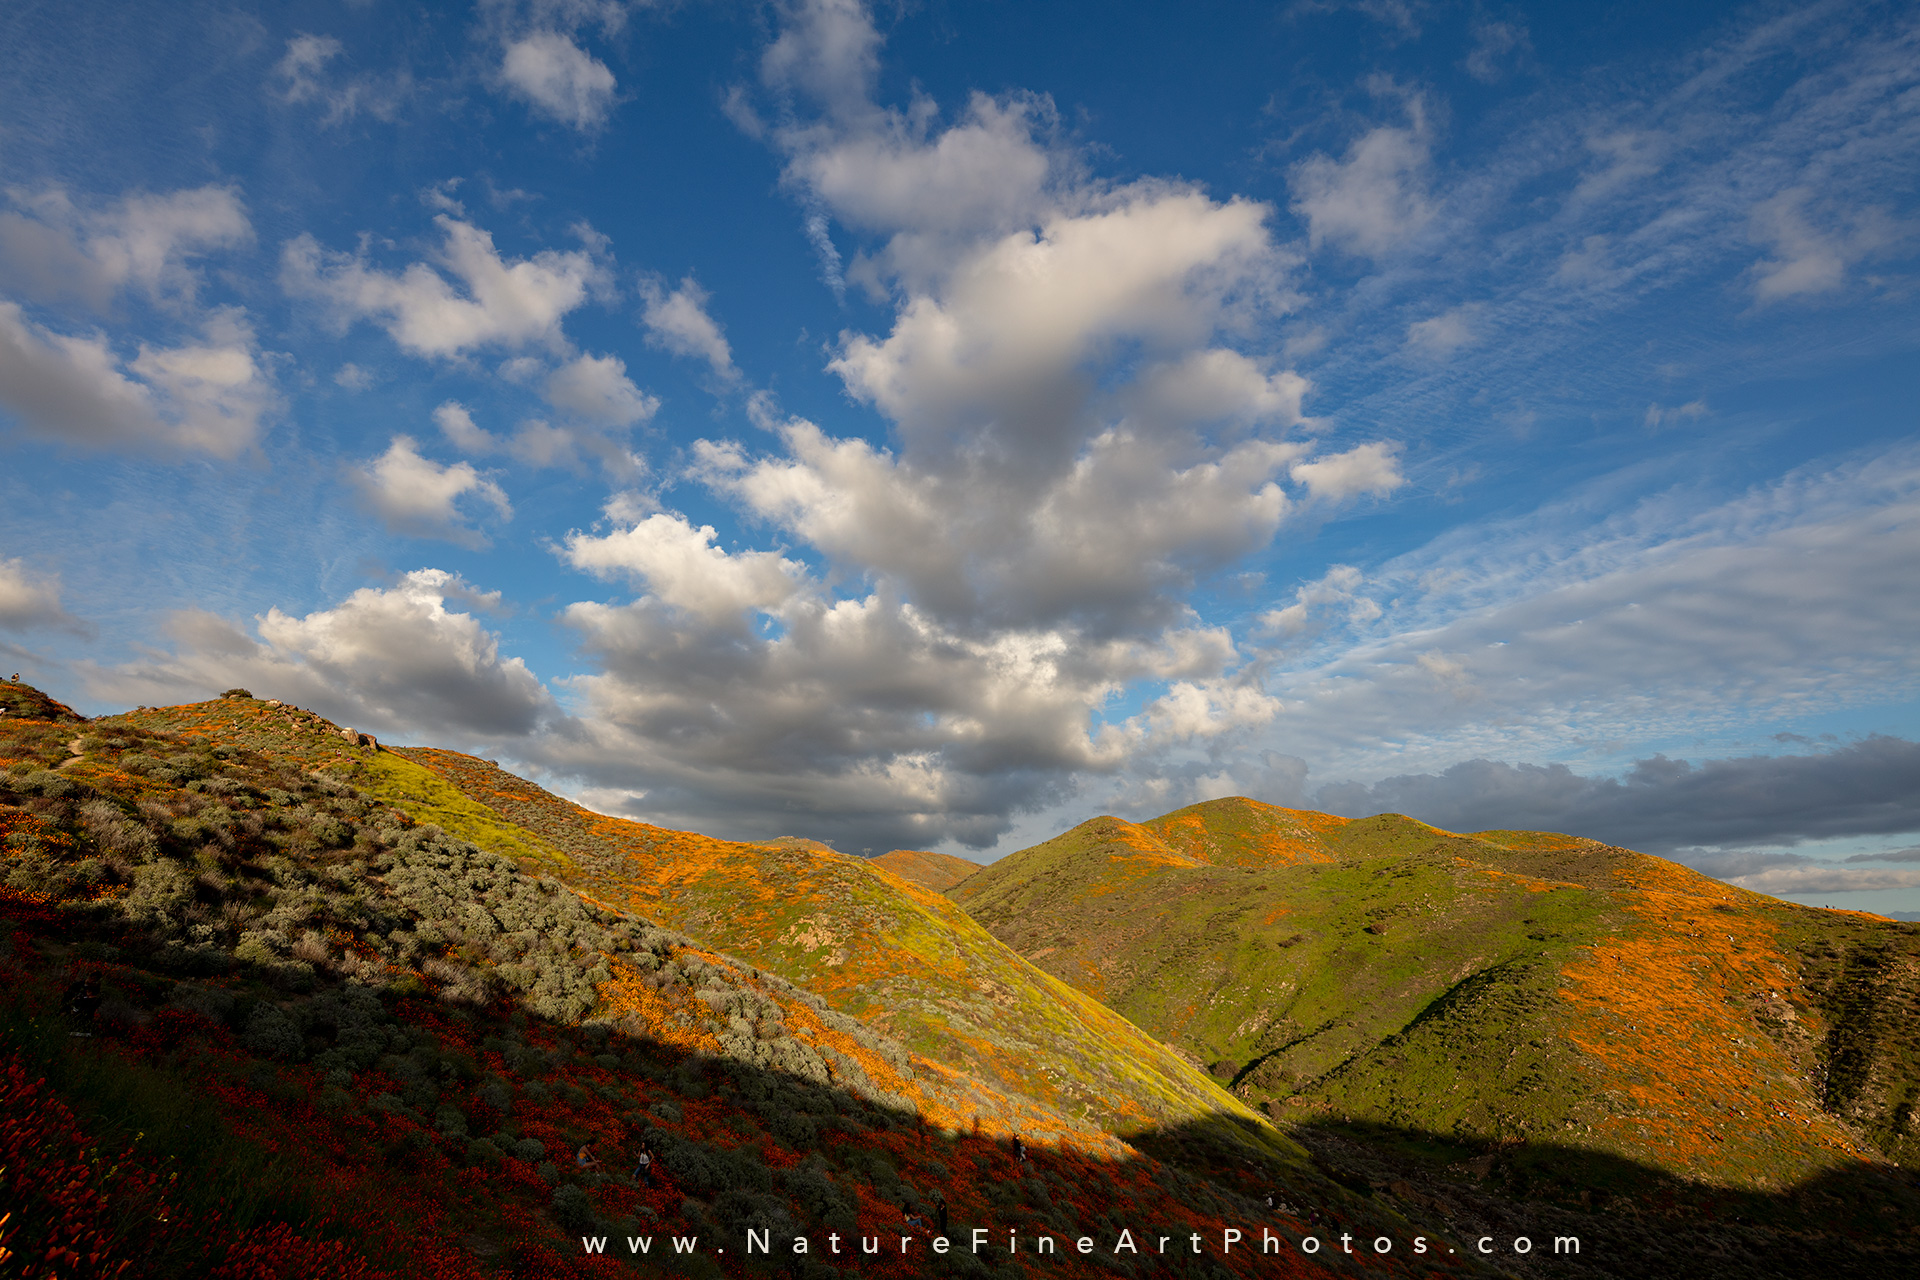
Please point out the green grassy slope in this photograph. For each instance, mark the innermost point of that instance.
(1483, 990)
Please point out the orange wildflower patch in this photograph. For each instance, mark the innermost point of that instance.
(1532, 884)
(676, 1023)
(936, 871)
(31, 827)
(1666, 1013)
(1237, 832)
(281, 734)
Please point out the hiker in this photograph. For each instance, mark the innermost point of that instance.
(940, 1211)
(1271, 1206)
(80, 1000)
(644, 1169)
(914, 1221)
(1019, 1148)
(584, 1157)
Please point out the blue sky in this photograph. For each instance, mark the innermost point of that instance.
(931, 425)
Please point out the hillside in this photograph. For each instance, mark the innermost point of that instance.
(256, 1021)
(936, 871)
(364, 1001)
(1564, 1018)
(25, 702)
(1007, 1043)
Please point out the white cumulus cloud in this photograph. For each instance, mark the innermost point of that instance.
(597, 389)
(1366, 468)
(1373, 200)
(30, 600)
(456, 423)
(50, 248)
(474, 298)
(559, 79)
(680, 323)
(419, 497)
(209, 396)
(400, 659)
(1082, 428)
(682, 568)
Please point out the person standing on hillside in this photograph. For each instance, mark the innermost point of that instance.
(1019, 1149)
(644, 1169)
(940, 1211)
(80, 1000)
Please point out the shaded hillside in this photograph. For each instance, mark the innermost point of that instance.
(1004, 1042)
(255, 1022)
(936, 871)
(1507, 988)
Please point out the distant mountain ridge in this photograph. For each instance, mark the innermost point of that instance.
(936, 871)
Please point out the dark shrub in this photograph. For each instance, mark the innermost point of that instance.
(272, 1032)
(48, 783)
(817, 1195)
(743, 1211)
(571, 1209)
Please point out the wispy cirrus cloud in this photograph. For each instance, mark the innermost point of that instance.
(304, 75)
(1598, 205)
(1660, 620)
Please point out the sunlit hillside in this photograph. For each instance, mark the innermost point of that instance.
(1005, 1041)
(1583, 1011)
